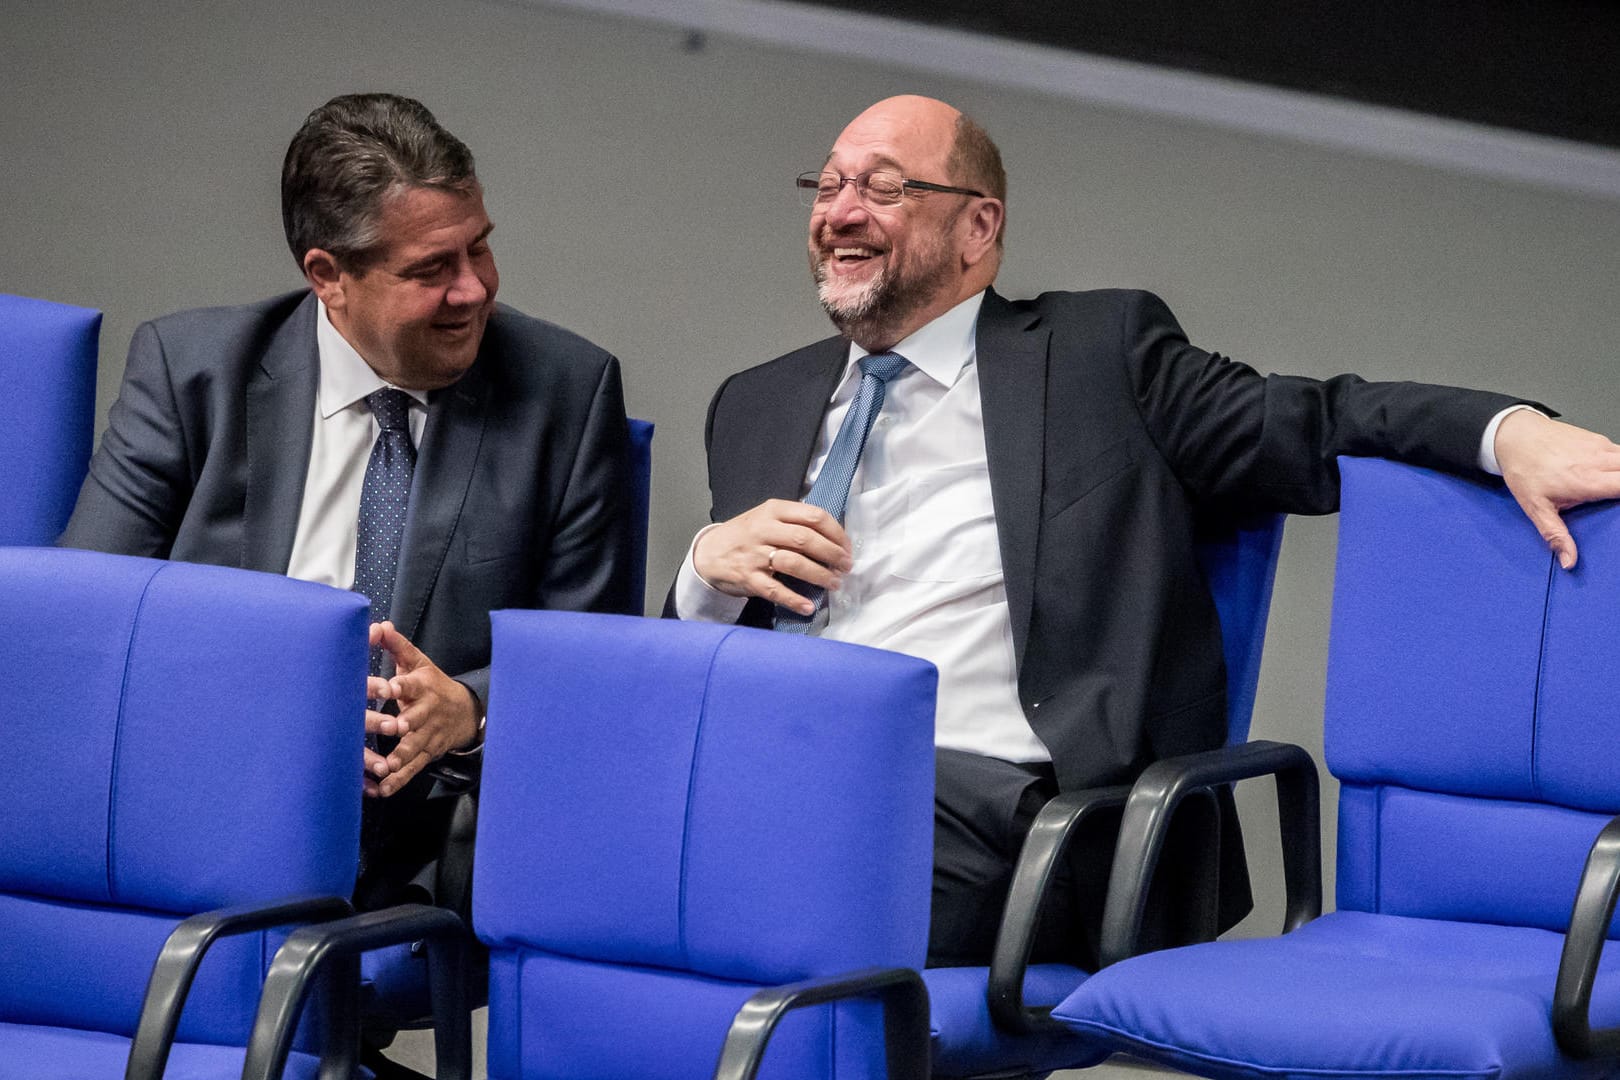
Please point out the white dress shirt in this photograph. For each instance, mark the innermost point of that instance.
(339, 447)
(927, 579)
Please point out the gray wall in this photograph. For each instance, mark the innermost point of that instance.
(641, 193)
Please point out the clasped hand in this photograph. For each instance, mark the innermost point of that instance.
(436, 714)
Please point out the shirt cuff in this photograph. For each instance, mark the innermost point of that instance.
(696, 599)
(1487, 442)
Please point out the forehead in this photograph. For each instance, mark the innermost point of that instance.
(911, 140)
(417, 220)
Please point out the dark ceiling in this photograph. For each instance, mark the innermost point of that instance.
(1550, 67)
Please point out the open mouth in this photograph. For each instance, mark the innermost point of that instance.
(850, 257)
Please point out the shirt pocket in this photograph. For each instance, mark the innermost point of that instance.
(949, 529)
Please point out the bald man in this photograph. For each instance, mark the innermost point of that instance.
(1023, 511)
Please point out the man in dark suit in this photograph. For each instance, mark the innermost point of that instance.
(1024, 506)
(243, 437)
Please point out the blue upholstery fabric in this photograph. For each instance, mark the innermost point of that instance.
(192, 744)
(1239, 564)
(676, 814)
(45, 1053)
(966, 1043)
(1350, 994)
(47, 407)
(1471, 718)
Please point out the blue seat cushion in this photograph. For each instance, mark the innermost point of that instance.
(52, 1053)
(1351, 994)
(965, 1041)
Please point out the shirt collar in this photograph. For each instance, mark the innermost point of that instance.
(345, 376)
(940, 349)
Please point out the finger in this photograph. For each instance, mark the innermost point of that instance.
(810, 517)
(406, 656)
(1554, 532)
(399, 778)
(814, 546)
(779, 594)
(376, 764)
(369, 787)
(412, 686)
(796, 565)
(374, 635)
(382, 724)
(377, 688)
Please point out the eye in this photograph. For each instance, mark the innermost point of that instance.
(885, 187)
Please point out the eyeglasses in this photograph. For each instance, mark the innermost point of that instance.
(874, 188)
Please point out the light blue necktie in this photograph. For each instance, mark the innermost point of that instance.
(831, 489)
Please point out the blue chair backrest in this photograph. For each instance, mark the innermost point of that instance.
(674, 814)
(1239, 560)
(183, 738)
(47, 410)
(641, 437)
(1471, 712)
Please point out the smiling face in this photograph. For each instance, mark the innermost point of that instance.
(416, 311)
(882, 272)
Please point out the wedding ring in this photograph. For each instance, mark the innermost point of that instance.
(770, 560)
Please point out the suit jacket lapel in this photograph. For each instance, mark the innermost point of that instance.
(280, 413)
(1012, 356)
(444, 469)
(793, 420)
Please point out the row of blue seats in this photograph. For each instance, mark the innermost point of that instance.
(677, 816)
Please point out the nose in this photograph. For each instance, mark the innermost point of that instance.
(469, 288)
(846, 208)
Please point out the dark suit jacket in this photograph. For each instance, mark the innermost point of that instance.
(519, 497)
(1108, 435)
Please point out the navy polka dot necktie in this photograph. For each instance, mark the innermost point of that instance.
(384, 498)
(831, 489)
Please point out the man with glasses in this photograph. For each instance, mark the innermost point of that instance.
(1008, 489)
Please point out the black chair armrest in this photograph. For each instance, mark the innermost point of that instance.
(905, 1019)
(333, 950)
(182, 954)
(1043, 848)
(1162, 787)
(1583, 946)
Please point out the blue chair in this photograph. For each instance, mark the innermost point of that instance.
(1471, 721)
(47, 408)
(676, 815)
(991, 1022)
(185, 739)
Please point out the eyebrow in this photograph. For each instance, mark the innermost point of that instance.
(428, 260)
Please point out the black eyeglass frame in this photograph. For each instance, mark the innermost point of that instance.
(811, 181)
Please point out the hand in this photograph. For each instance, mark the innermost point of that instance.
(436, 713)
(742, 556)
(1551, 466)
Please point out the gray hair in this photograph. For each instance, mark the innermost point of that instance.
(348, 157)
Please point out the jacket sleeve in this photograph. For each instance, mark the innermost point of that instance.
(139, 482)
(1272, 442)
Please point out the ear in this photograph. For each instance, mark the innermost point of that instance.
(982, 224)
(325, 277)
